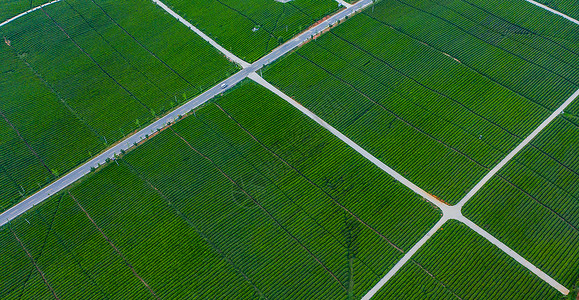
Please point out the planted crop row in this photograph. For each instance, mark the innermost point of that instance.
(75, 259)
(532, 205)
(568, 7)
(393, 92)
(91, 75)
(457, 263)
(252, 28)
(490, 41)
(247, 198)
(38, 133)
(278, 166)
(78, 262)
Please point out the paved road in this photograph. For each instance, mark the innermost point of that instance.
(225, 52)
(27, 12)
(84, 169)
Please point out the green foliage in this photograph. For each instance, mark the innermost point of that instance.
(276, 210)
(252, 28)
(81, 94)
(426, 87)
(568, 7)
(457, 263)
(532, 205)
(9, 9)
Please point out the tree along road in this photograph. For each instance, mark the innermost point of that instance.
(142, 134)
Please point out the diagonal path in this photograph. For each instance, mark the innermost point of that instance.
(520, 147)
(553, 11)
(343, 3)
(225, 52)
(449, 212)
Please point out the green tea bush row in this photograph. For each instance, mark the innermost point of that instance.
(457, 262)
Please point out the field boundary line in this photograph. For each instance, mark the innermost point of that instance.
(344, 3)
(27, 12)
(543, 6)
(448, 212)
(113, 246)
(276, 221)
(458, 211)
(35, 265)
(404, 259)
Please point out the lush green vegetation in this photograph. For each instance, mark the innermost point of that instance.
(11, 8)
(247, 197)
(455, 84)
(252, 28)
(457, 263)
(79, 75)
(568, 7)
(532, 205)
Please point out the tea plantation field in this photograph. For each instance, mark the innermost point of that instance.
(252, 28)
(532, 205)
(438, 90)
(251, 196)
(247, 198)
(79, 75)
(439, 270)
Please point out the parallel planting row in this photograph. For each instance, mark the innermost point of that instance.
(252, 28)
(532, 205)
(568, 7)
(79, 75)
(457, 263)
(247, 198)
(438, 90)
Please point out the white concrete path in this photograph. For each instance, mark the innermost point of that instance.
(512, 154)
(27, 12)
(448, 212)
(226, 52)
(553, 11)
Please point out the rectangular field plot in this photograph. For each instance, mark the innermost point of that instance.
(79, 75)
(532, 204)
(457, 263)
(438, 90)
(248, 198)
(252, 28)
